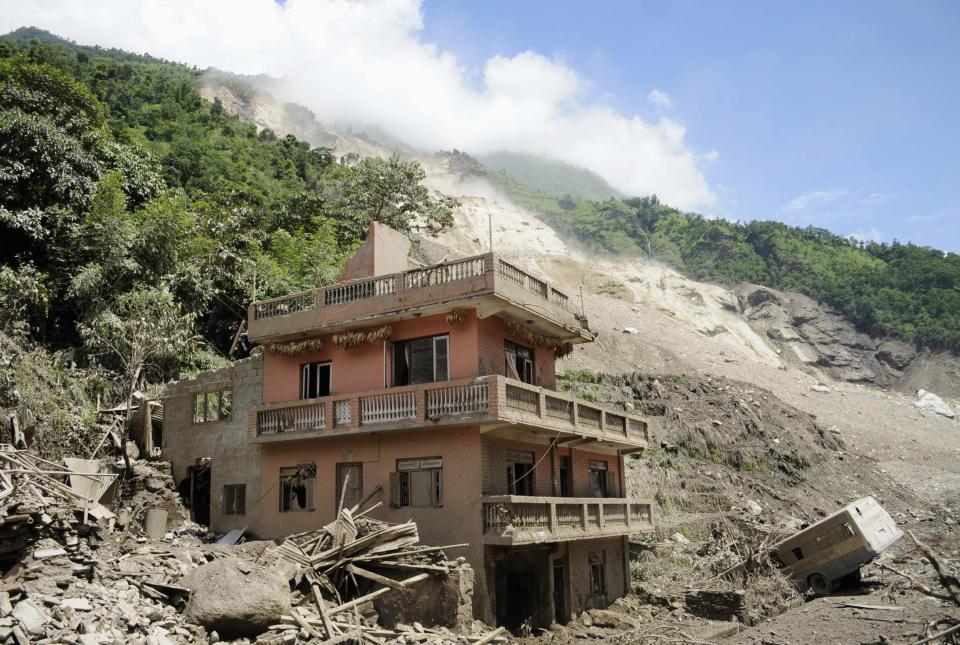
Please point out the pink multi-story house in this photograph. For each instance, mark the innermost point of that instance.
(431, 388)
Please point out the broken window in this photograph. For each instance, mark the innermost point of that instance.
(212, 406)
(421, 360)
(235, 499)
(351, 475)
(519, 362)
(520, 474)
(598, 576)
(601, 479)
(298, 485)
(798, 553)
(417, 483)
(315, 380)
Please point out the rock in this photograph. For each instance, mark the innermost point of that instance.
(235, 604)
(928, 401)
(30, 616)
(680, 538)
(631, 330)
(896, 354)
(154, 484)
(78, 604)
(819, 387)
(752, 507)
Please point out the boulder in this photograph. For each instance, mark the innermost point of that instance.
(928, 401)
(896, 354)
(236, 601)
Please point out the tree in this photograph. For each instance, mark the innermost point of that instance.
(389, 191)
(143, 330)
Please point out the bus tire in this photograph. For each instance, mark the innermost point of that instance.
(818, 584)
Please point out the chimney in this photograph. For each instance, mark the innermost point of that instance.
(385, 251)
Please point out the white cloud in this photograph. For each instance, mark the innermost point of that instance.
(816, 199)
(365, 62)
(869, 235)
(659, 98)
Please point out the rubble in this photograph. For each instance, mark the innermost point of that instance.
(78, 572)
(930, 402)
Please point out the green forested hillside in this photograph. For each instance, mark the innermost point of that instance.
(135, 217)
(898, 290)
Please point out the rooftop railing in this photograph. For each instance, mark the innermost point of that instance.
(444, 273)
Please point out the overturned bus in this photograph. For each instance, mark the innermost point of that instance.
(837, 546)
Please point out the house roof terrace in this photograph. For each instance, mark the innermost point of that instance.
(487, 282)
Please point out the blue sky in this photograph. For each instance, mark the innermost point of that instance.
(836, 114)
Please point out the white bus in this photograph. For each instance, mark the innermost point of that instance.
(836, 546)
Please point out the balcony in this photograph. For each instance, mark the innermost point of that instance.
(492, 402)
(487, 282)
(512, 520)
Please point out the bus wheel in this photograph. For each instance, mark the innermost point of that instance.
(818, 584)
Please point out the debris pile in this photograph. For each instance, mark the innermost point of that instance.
(357, 570)
(77, 572)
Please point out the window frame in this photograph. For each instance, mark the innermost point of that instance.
(401, 497)
(339, 471)
(310, 495)
(229, 509)
(598, 583)
(222, 410)
(525, 367)
(523, 485)
(599, 469)
(304, 379)
(400, 347)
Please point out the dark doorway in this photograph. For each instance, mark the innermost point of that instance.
(522, 589)
(199, 493)
(566, 478)
(559, 598)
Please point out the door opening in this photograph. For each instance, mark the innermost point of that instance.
(559, 598)
(196, 491)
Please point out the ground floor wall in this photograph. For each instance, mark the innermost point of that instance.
(545, 583)
(456, 520)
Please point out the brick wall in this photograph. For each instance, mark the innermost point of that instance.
(235, 459)
(579, 555)
(493, 461)
(492, 333)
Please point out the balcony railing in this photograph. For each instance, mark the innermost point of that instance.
(514, 519)
(474, 277)
(485, 399)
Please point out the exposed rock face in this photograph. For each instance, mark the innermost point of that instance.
(236, 598)
(811, 335)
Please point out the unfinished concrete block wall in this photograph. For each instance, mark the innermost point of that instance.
(234, 459)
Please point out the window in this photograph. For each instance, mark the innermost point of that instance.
(798, 553)
(297, 487)
(847, 530)
(315, 380)
(417, 483)
(519, 362)
(566, 478)
(422, 360)
(520, 475)
(601, 479)
(352, 475)
(235, 499)
(598, 576)
(212, 406)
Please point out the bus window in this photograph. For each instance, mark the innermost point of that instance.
(847, 529)
(798, 553)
